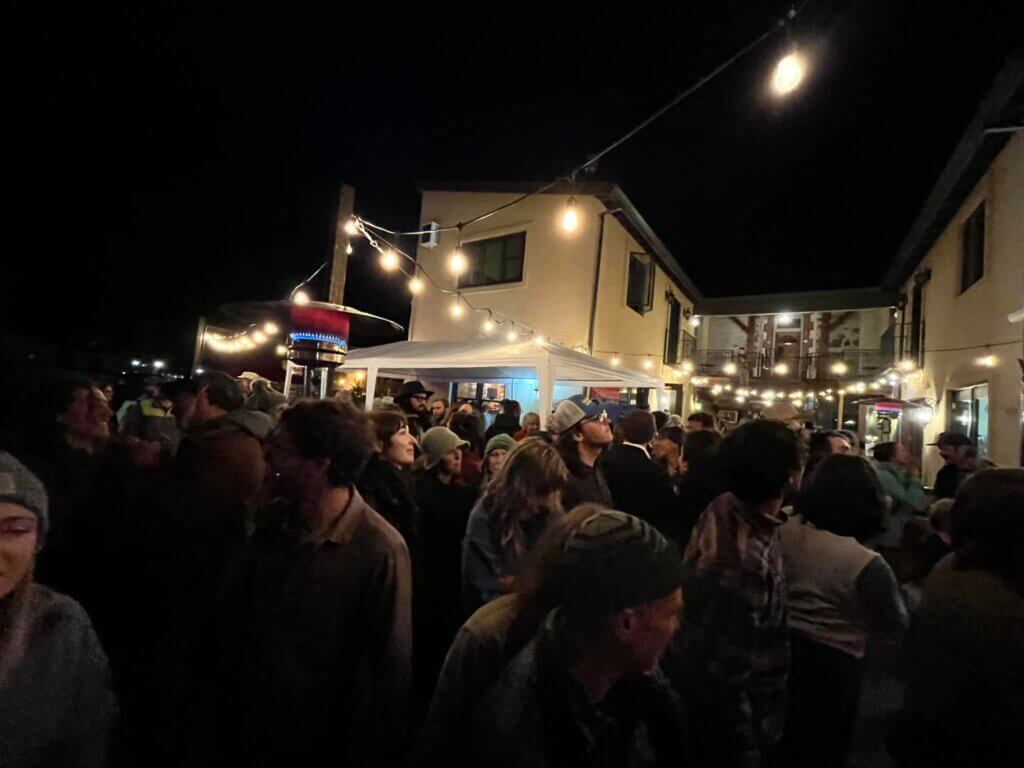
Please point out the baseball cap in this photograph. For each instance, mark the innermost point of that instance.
(437, 442)
(952, 438)
(569, 414)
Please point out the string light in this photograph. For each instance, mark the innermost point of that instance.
(158, 364)
(389, 260)
(415, 286)
(907, 365)
(687, 366)
(785, 318)
(488, 325)
(259, 337)
(281, 350)
(349, 249)
(351, 227)
(729, 369)
(570, 219)
(271, 329)
(840, 368)
(694, 321)
(781, 369)
(616, 361)
(457, 262)
(539, 340)
(301, 297)
(456, 308)
(988, 361)
(511, 336)
(648, 363)
(789, 73)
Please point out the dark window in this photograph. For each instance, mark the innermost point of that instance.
(689, 346)
(673, 336)
(494, 261)
(973, 259)
(640, 293)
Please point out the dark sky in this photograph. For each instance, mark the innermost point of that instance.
(165, 160)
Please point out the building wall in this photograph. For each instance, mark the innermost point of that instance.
(959, 326)
(555, 295)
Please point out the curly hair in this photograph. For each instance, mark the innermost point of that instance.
(329, 429)
(532, 470)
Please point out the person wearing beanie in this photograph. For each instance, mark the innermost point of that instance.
(57, 707)
(586, 689)
(496, 450)
(444, 505)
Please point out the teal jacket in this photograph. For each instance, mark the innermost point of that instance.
(904, 493)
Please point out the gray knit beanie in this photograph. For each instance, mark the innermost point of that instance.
(19, 486)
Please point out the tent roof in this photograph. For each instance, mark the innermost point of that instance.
(494, 359)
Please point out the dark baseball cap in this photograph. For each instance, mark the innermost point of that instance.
(228, 391)
(952, 439)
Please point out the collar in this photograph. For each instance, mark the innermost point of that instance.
(348, 523)
(755, 515)
(637, 445)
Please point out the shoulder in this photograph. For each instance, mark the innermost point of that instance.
(61, 624)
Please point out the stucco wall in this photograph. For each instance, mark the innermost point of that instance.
(979, 315)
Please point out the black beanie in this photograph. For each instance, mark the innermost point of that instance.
(613, 561)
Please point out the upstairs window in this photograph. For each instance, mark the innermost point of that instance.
(972, 265)
(673, 335)
(640, 291)
(494, 261)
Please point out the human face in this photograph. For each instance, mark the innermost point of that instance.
(451, 463)
(108, 392)
(693, 426)
(437, 409)
(87, 418)
(401, 448)
(646, 630)
(596, 431)
(839, 444)
(495, 459)
(948, 453)
(418, 403)
(19, 537)
(289, 473)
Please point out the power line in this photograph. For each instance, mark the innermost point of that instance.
(977, 346)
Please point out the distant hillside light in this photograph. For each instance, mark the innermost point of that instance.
(457, 262)
(789, 73)
(570, 218)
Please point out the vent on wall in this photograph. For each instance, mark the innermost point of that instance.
(430, 234)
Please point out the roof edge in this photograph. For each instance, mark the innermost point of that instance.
(799, 302)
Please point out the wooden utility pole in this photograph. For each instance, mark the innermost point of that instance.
(339, 262)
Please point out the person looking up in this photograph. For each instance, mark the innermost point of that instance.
(735, 650)
(955, 450)
(517, 506)
(57, 707)
(840, 592)
(700, 421)
(413, 402)
(582, 435)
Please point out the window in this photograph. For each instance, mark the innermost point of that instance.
(640, 291)
(972, 266)
(968, 415)
(673, 335)
(494, 261)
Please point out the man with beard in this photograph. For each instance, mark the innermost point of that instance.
(413, 402)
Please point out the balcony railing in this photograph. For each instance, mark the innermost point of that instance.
(839, 366)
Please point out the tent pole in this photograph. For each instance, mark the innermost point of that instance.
(371, 387)
(546, 389)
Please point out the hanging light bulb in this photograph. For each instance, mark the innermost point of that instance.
(351, 228)
(488, 325)
(694, 321)
(840, 368)
(648, 363)
(781, 369)
(456, 309)
(570, 219)
(259, 336)
(281, 350)
(539, 340)
(349, 249)
(270, 329)
(687, 366)
(511, 336)
(301, 297)
(415, 286)
(789, 73)
(907, 365)
(389, 260)
(616, 361)
(457, 262)
(729, 369)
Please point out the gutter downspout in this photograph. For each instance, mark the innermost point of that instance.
(597, 280)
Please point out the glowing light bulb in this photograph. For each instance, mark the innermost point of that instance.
(389, 261)
(988, 361)
(694, 321)
(200, 371)
(785, 318)
(351, 228)
(570, 219)
(456, 309)
(301, 297)
(457, 262)
(648, 363)
(687, 366)
(781, 369)
(907, 365)
(136, 363)
(539, 340)
(270, 329)
(415, 286)
(488, 325)
(616, 361)
(789, 73)
(349, 249)
(840, 368)
(729, 369)
(158, 364)
(511, 336)
(741, 399)
(281, 350)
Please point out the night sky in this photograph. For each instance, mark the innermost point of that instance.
(166, 160)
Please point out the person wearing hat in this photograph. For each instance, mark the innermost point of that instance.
(495, 451)
(956, 451)
(150, 418)
(583, 435)
(413, 401)
(585, 689)
(266, 399)
(56, 698)
(444, 506)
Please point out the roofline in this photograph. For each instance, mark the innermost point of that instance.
(974, 154)
(806, 301)
(610, 195)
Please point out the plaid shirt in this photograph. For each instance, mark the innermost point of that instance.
(735, 639)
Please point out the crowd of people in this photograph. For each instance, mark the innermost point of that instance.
(214, 576)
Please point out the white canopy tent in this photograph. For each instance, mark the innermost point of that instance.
(489, 360)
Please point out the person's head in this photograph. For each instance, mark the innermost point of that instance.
(108, 391)
(637, 427)
(413, 398)
(892, 453)
(441, 450)
(940, 516)
(247, 381)
(953, 447)
(668, 448)
(784, 413)
(660, 420)
(466, 409)
(77, 410)
(843, 496)
(438, 407)
(852, 439)
(759, 460)
(700, 421)
(840, 443)
(495, 452)
(317, 446)
(469, 427)
(393, 441)
(617, 584)
(511, 409)
(987, 523)
(216, 394)
(531, 422)
(23, 519)
(699, 451)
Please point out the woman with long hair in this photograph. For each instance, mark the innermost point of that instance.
(517, 505)
(56, 703)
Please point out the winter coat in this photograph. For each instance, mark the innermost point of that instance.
(586, 485)
(641, 488)
(904, 494)
(537, 715)
(57, 708)
(316, 643)
(391, 493)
